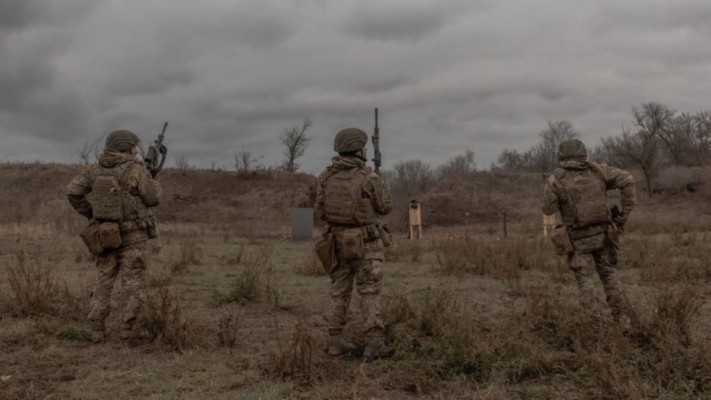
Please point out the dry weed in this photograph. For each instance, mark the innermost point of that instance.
(293, 358)
(229, 325)
(311, 266)
(163, 320)
(34, 287)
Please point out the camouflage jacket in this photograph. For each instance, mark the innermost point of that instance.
(139, 182)
(554, 198)
(373, 187)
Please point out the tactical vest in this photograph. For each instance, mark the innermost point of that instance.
(586, 197)
(111, 200)
(345, 202)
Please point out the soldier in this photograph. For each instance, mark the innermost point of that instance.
(589, 234)
(122, 193)
(350, 197)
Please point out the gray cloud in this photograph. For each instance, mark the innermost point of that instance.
(447, 76)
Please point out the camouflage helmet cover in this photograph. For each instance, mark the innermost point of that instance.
(350, 140)
(572, 148)
(121, 140)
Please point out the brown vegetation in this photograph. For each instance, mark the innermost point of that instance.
(235, 313)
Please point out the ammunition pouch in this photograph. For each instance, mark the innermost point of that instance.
(325, 250)
(561, 240)
(99, 237)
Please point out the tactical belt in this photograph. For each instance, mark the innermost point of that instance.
(364, 231)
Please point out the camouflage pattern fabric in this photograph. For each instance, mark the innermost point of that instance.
(366, 273)
(140, 193)
(138, 182)
(131, 262)
(603, 261)
(593, 249)
(373, 186)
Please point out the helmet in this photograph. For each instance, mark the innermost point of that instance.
(572, 148)
(121, 140)
(349, 140)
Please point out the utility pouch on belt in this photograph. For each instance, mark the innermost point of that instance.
(561, 240)
(351, 243)
(99, 237)
(326, 252)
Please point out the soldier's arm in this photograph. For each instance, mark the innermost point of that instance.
(77, 190)
(624, 181)
(142, 185)
(379, 194)
(550, 203)
(318, 207)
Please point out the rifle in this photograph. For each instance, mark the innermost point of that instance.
(151, 159)
(378, 157)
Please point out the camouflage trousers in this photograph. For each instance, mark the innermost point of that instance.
(367, 275)
(605, 262)
(131, 263)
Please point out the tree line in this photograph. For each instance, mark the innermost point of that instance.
(655, 138)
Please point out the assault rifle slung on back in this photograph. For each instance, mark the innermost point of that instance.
(151, 159)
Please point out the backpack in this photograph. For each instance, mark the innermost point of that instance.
(587, 194)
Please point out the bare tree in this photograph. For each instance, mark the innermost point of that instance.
(296, 143)
(245, 161)
(458, 165)
(546, 153)
(702, 138)
(641, 149)
(654, 119)
(89, 149)
(409, 178)
(511, 161)
(182, 163)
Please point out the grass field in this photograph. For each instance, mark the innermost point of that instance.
(472, 315)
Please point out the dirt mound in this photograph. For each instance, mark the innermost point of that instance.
(36, 194)
(484, 197)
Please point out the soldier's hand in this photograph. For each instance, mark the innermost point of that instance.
(620, 220)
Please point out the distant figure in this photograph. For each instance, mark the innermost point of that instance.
(350, 198)
(589, 233)
(122, 221)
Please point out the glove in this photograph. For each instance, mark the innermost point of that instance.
(620, 220)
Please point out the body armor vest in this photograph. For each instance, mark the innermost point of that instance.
(111, 200)
(586, 192)
(345, 202)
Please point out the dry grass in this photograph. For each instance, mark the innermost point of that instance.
(472, 314)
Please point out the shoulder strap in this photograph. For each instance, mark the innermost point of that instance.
(600, 170)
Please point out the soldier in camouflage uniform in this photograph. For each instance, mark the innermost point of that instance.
(350, 198)
(578, 189)
(131, 184)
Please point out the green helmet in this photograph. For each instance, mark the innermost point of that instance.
(121, 140)
(572, 148)
(350, 140)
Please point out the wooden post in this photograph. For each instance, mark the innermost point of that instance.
(506, 231)
(415, 220)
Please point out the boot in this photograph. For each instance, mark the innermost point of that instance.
(375, 347)
(126, 331)
(337, 346)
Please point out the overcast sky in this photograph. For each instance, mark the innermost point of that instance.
(446, 75)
